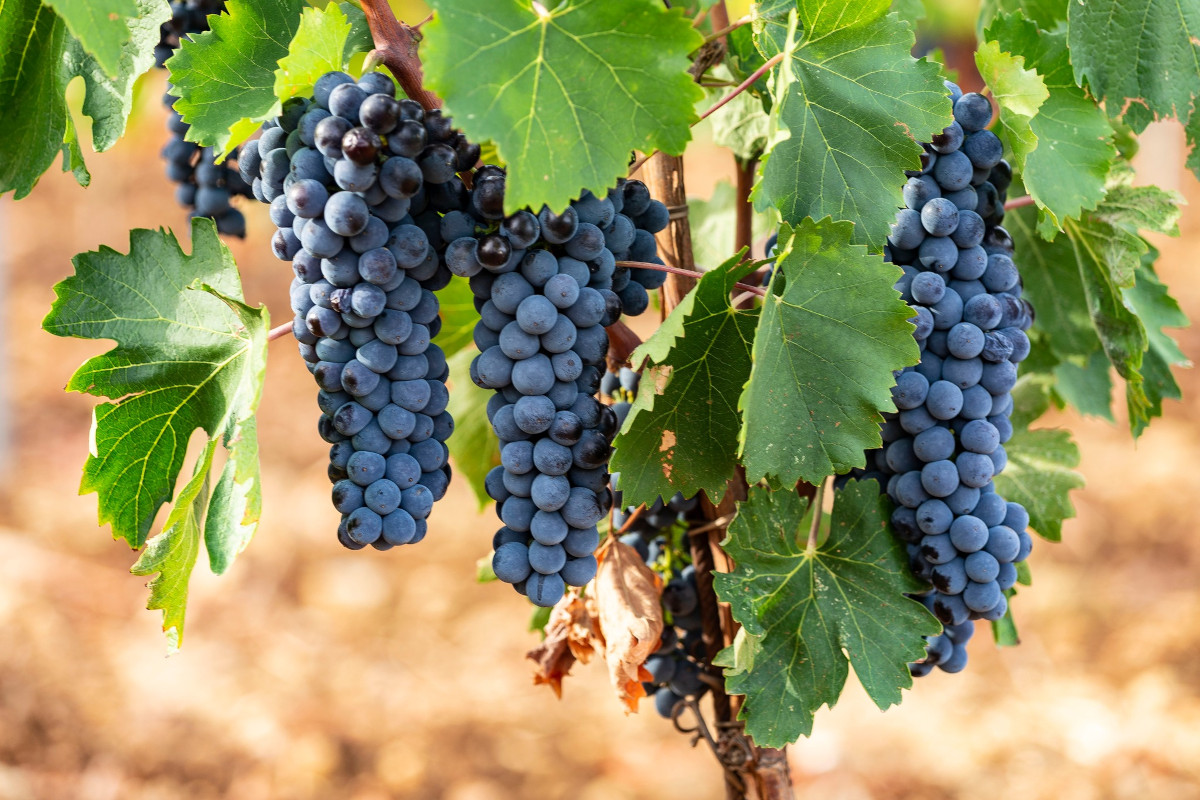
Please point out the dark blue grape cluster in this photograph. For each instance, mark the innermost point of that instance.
(203, 186)
(352, 175)
(946, 443)
(546, 285)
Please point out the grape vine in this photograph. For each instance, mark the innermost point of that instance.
(736, 482)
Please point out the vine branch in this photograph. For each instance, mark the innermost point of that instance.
(733, 26)
(758, 290)
(396, 47)
(744, 85)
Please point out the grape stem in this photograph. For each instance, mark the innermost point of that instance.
(279, 331)
(1018, 202)
(728, 29)
(396, 47)
(744, 85)
(741, 87)
(758, 290)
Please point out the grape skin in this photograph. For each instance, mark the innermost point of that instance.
(945, 444)
(365, 272)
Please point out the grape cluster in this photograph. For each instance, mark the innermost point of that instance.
(945, 444)
(203, 186)
(348, 173)
(546, 286)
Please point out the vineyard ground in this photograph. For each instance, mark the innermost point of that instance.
(311, 672)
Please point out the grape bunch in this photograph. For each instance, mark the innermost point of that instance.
(946, 443)
(203, 186)
(347, 173)
(546, 285)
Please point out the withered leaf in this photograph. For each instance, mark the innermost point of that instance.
(630, 618)
(569, 638)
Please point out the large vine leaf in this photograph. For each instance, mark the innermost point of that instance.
(681, 433)
(854, 108)
(566, 90)
(190, 354)
(225, 77)
(1040, 476)
(1142, 59)
(38, 58)
(1066, 174)
(324, 42)
(100, 26)
(811, 612)
(832, 331)
(474, 446)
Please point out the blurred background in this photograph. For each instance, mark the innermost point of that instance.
(312, 672)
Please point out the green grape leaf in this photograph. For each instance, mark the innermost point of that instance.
(100, 26)
(457, 310)
(1090, 272)
(1020, 93)
(236, 504)
(1050, 274)
(1066, 174)
(1040, 476)
(323, 43)
(1141, 59)
(1087, 387)
(565, 93)
(1031, 399)
(810, 612)
(831, 332)
(1046, 14)
(714, 224)
(1112, 230)
(853, 108)
(1150, 300)
(474, 446)
(225, 77)
(189, 355)
(1004, 630)
(681, 433)
(38, 58)
(172, 554)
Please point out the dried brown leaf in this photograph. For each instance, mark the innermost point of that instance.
(630, 618)
(569, 638)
